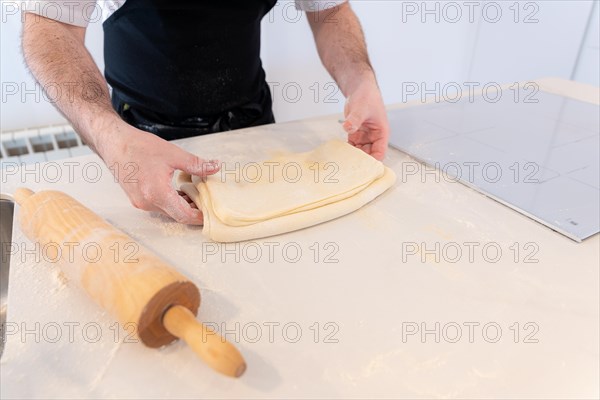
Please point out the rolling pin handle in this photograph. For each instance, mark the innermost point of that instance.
(219, 354)
(22, 194)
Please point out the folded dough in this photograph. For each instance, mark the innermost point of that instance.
(289, 192)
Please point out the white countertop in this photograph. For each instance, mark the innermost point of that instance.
(364, 307)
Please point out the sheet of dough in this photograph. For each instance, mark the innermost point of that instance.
(264, 201)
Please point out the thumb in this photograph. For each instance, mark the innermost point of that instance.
(195, 165)
(354, 120)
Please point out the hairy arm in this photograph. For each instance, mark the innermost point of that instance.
(56, 55)
(341, 45)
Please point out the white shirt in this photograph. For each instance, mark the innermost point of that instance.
(82, 12)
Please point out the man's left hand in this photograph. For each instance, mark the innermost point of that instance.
(366, 120)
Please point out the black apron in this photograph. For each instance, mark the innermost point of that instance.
(185, 68)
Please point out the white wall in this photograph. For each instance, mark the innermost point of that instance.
(28, 107)
(406, 43)
(410, 51)
(544, 41)
(588, 64)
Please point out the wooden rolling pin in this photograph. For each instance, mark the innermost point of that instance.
(141, 289)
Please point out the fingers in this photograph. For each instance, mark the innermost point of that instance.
(176, 207)
(360, 135)
(377, 150)
(152, 189)
(195, 165)
(187, 198)
(354, 121)
(355, 117)
(161, 197)
(373, 140)
(366, 120)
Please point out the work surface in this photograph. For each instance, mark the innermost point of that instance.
(432, 290)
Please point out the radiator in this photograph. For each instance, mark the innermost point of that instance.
(43, 144)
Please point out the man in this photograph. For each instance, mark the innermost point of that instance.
(184, 68)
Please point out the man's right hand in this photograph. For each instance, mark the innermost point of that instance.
(56, 55)
(144, 164)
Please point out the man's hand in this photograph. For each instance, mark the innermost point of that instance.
(144, 165)
(141, 162)
(341, 45)
(366, 120)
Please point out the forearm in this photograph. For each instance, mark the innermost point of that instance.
(56, 56)
(341, 45)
